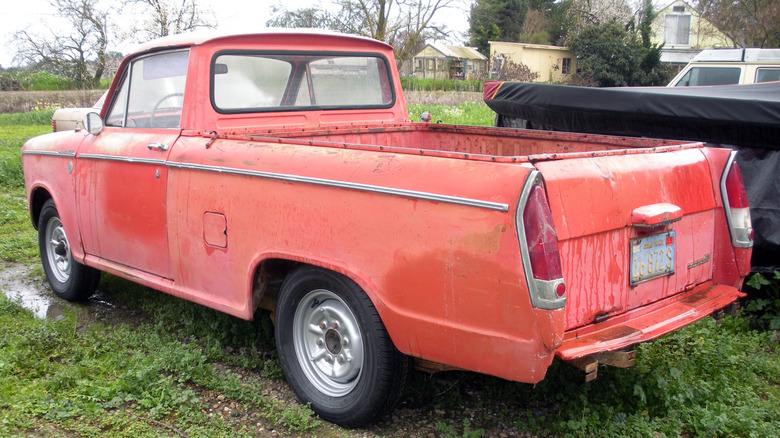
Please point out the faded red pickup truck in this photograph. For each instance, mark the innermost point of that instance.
(279, 170)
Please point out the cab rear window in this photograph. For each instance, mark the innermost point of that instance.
(244, 82)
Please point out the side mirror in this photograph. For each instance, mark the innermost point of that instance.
(93, 123)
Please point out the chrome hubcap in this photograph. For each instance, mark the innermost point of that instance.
(58, 250)
(328, 343)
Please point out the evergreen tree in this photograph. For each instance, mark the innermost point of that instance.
(496, 20)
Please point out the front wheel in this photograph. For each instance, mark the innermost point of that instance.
(68, 279)
(334, 349)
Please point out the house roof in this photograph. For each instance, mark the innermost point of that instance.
(532, 46)
(458, 51)
(691, 8)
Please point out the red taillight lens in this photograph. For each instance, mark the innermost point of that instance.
(540, 237)
(735, 188)
(736, 205)
(53, 125)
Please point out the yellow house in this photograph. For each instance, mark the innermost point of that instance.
(551, 63)
(685, 33)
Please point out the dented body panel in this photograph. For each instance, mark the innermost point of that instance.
(424, 218)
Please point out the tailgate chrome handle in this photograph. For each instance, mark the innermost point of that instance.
(656, 215)
(158, 146)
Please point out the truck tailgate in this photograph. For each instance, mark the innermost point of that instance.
(613, 262)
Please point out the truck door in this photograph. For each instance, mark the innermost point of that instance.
(122, 174)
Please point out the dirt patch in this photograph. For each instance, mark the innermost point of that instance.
(23, 101)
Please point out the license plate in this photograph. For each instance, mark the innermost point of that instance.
(652, 257)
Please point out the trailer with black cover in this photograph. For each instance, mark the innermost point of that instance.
(742, 117)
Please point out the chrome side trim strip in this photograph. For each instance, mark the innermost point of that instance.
(346, 185)
(123, 159)
(293, 178)
(67, 154)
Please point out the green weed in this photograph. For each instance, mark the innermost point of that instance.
(18, 239)
(764, 307)
(410, 83)
(467, 113)
(448, 431)
(28, 119)
(300, 419)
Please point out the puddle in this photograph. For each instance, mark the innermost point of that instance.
(36, 297)
(15, 285)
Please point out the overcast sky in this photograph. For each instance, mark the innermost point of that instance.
(232, 15)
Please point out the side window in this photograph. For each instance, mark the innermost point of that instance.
(710, 76)
(151, 92)
(116, 116)
(768, 74)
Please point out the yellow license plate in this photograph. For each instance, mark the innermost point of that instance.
(652, 257)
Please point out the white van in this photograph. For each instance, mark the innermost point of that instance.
(729, 67)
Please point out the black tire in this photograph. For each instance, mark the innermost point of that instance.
(68, 279)
(334, 349)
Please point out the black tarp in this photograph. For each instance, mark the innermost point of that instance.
(742, 117)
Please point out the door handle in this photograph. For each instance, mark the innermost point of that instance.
(158, 146)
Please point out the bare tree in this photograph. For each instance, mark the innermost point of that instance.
(748, 23)
(78, 53)
(405, 24)
(305, 17)
(170, 17)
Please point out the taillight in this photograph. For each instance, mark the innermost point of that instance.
(735, 202)
(539, 247)
(53, 125)
(540, 236)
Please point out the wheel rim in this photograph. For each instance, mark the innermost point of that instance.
(328, 343)
(58, 250)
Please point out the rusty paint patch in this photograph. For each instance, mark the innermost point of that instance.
(488, 242)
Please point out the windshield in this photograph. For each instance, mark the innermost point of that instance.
(251, 82)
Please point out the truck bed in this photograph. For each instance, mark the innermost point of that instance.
(472, 142)
(594, 184)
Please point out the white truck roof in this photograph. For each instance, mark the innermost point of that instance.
(738, 55)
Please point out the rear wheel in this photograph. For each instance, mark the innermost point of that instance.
(68, 279)
(334, 349)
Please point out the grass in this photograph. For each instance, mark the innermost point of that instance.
(91, 378)
(410, 83)
(155, 365)
(18, 241)
(467, 113)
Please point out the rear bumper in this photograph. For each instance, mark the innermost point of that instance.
(648, 322)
